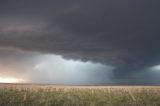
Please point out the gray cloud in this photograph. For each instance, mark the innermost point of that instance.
(124, 33)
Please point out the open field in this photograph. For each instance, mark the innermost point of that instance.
(52, 95)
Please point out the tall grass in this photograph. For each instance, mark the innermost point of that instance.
(49, 96)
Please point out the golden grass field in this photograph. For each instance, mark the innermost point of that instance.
(55, 95)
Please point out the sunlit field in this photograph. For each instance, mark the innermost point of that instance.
(49, 95)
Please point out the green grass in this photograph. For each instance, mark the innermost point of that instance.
(63, 96)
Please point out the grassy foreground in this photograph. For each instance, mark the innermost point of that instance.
(31, 95)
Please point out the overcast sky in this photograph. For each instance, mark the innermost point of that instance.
(80, 41)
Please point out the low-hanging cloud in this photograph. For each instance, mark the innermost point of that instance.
(124, 34)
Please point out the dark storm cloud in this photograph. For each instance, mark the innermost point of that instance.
(122, 33)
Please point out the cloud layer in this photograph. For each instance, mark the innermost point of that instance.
(123, 34)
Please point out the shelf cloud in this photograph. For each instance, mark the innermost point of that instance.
(120, 34)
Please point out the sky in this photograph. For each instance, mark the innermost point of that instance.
(80, 42)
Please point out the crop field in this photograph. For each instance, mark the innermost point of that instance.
(50, 95)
